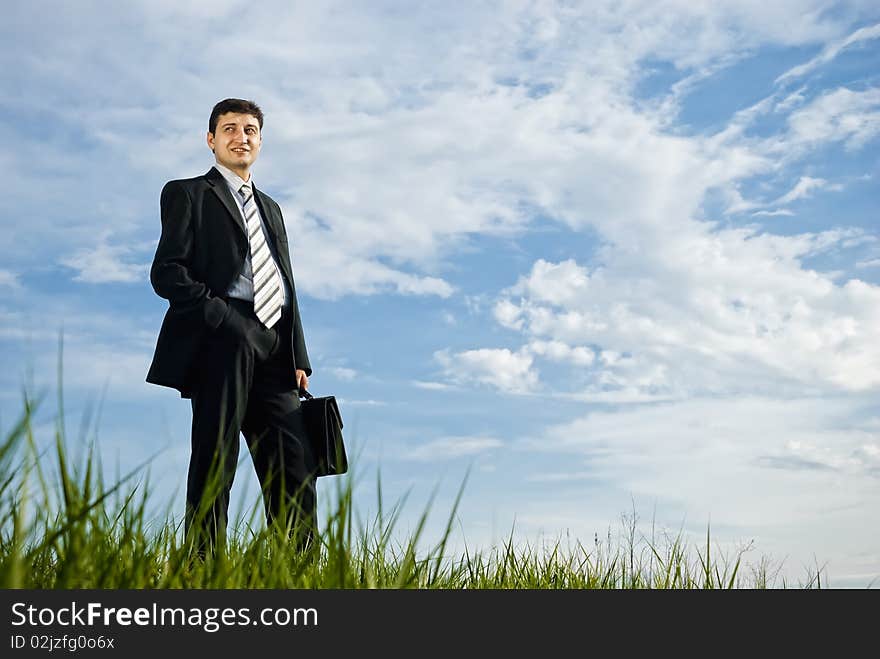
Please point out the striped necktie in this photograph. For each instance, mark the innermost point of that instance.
(268, 293)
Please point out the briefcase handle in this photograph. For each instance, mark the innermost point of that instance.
(303, 393)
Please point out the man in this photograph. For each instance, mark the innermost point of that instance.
(232, 339)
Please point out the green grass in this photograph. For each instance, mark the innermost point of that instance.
(62, 526)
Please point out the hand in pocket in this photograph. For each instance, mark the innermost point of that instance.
(234, 324)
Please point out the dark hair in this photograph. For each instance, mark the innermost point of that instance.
(237, 105)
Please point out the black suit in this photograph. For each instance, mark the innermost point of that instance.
(239, 374)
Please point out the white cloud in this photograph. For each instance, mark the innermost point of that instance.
(325, 269)
(555, 283)
(26, 327)
(794, 432)
(561, 352)
(431, 386)
(9, 279)
(104, 264)
(385, 165)
(343, 373)
(448, 448)
(803, 188)
(774, 469)
(795, 98)
(623, 395)
(92, 365)
(691, 307)
(711, 311)
(498, 367)
(99, 350)
(783, 212)
(841, 115)
(369, 402)
(102, 346)
(508, 314)
(831, 51)
(561, 477)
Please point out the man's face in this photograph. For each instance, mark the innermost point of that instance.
(236, 140)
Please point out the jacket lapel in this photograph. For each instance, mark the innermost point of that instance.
(218, 185)
(269, 217)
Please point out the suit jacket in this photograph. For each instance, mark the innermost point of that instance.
(201, 251)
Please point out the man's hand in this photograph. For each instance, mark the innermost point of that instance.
(302, 380)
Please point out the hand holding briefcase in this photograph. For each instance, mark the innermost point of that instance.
(323, 424)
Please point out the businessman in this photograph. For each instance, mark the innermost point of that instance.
(232, 339)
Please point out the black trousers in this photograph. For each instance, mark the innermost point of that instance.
(246, 385)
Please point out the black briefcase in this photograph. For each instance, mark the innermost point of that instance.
(323, 424)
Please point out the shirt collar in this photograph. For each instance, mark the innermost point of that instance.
(234, 180)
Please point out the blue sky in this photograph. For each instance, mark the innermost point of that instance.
(609, 257)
